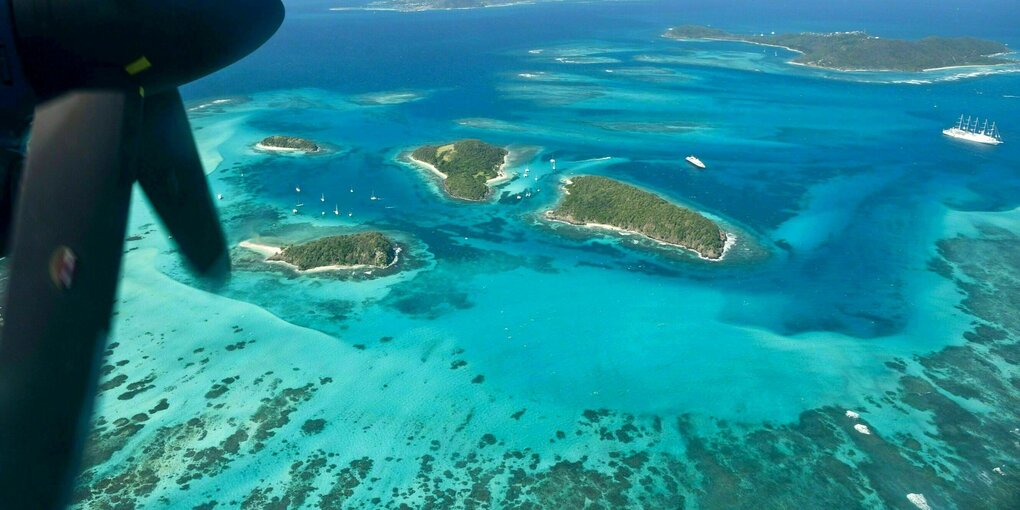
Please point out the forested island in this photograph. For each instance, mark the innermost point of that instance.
(467, 167)
(596, 201)
(859, 51)
(362, 250)
(288, 144)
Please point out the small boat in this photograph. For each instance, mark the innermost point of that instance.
(322, 197)
(300, 205)
(518, 197)
(323, 213)
(294, 211)
(352, 190)
(219, 196)
(553, 162)
(373, 197)
(693, 160)
(350, 215)
(336, 210)
(298, 189)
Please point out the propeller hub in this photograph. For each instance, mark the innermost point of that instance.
(152, 44)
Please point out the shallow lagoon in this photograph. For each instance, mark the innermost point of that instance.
(513, 362)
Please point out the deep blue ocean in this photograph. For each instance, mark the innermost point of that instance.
(507, 362)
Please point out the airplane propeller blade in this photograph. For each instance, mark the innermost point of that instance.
(10, 176)
(171, 174)
(66, 257)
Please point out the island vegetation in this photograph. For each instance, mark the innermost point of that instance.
(467, 167)
(366, 249)
(288, 144)
(859, 51)
(600, 201)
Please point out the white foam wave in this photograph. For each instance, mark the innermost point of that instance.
(919, 501)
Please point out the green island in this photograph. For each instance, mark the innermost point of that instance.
(366, 249)
(859, 51)
(287, 144)
(467, 167)
(599, 201)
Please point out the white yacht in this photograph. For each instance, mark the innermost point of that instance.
(971, 130)
(696, 162)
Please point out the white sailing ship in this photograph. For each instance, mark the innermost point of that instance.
(971, 130)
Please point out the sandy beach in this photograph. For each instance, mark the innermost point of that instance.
(286, 150)
(731, 239)
(501, 174)
(268, 252)
(428, 166)
(716, 39)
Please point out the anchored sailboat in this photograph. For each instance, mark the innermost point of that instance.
(969, 131)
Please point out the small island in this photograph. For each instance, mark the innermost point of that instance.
(353, 251)
(467, 167)
(277, 143)
(859, 51)
(600, 202)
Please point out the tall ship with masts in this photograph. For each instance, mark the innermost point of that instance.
(972, 130)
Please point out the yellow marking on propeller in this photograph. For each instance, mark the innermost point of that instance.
(138, 66)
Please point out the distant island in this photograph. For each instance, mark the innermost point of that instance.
(431, 5)
(279, 143)
(859, 51)
(353, 251)
(467, 167)
(600, 202)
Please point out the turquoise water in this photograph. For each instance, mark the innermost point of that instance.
(511, 362)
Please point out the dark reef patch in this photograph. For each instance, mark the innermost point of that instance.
(138, 387)
(312, 427)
